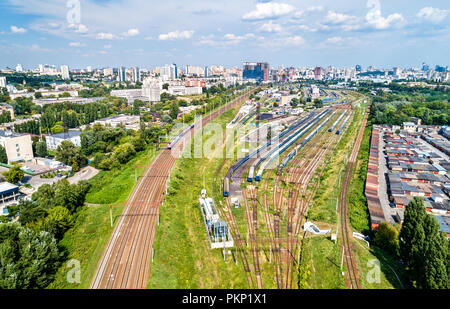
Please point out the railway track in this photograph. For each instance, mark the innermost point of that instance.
(125, 262)
(352, 271)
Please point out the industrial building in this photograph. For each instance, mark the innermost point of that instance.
(219, 235)
(129, 122)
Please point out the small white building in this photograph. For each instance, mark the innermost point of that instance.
(53, 141)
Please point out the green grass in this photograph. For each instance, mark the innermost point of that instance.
(388, 267)
(85, 243)
(115, 186)
(323, 257)
(183, 258)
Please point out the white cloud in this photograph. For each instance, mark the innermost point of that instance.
(36, 47)
(19, 30)
(176, 35)
(269, 10)
(105, 36)
(339, 18)
(76, 44)
(238, 38)
(294, 40)
(103, 52)
(374, 18)
(107, 46)
(131, 32)
(270, 27)
(315, 8)
(433, 15)
(79, 28)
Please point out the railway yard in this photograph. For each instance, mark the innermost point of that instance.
(258, 203)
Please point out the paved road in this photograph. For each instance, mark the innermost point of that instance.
(382, 186)
(85, 173)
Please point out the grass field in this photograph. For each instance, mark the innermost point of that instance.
(114, 186)
(183, 258)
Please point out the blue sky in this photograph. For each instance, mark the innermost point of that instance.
(149, 33)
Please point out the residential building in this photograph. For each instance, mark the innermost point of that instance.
(2, 82)
(65, 72)
(121, 74)
(53, 141)
(18, 147)
(151, 88)
(7, 107)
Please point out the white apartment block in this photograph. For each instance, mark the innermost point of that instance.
(53, 141)
(18, 146)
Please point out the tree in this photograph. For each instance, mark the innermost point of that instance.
(38, 95)
(174, 109)
(423, 250)
(318, 103)
(387, 238)
(28, 260)
(67, 153)
(15, 174)
(3, 156)
(41, 149)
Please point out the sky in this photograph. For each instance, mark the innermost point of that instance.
(300, 33)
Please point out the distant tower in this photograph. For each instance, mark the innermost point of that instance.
(358, 68)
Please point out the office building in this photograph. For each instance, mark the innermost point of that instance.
(256, 70)
(19, 68)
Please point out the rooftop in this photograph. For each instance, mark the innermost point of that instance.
(68, 134)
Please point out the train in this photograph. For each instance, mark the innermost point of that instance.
(226, 187)
(250, 173)
(343, 124)
(274, 154)
(243, 160)
(337, 122)
(288, 158)
(179, 136)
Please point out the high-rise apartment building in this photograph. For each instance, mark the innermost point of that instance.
(121, 74)
(136, 75)
(2, 82)
(65, 72)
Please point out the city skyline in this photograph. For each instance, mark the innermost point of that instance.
(141, 33)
